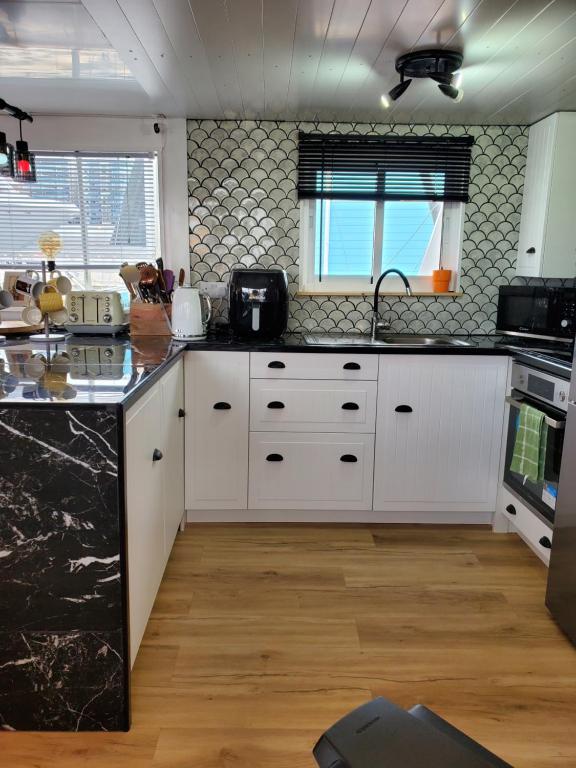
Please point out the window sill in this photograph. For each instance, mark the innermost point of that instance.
(382, 293)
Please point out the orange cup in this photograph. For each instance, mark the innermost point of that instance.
(441, 280)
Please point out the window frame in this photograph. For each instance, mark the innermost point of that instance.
(450, 255)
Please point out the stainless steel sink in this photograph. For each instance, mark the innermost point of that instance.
(395, 340)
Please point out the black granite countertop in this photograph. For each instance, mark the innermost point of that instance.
(115, 371)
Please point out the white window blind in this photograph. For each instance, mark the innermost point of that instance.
(103, 206)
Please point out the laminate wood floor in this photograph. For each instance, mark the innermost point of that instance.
(262, 636)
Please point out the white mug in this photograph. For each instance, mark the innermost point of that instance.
(29, 284)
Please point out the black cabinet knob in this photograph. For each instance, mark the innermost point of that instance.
(276, 404)
(350, 407)
(222, 406)
(531, 250)
(351, 366)
(181, 413)
(349, 458)
(274, 457)
(403, 409)
(511, 509)
(545, 542)
(157, 455)
(276, 364)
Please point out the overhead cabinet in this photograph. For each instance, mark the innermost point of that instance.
(547, 240)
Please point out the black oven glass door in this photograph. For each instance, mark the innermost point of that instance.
(541, 495)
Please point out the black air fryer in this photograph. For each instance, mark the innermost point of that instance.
(258, 303)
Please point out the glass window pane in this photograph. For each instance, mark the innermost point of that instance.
(345, 237)
(412, 236)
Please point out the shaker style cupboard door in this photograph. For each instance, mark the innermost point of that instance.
(216, 446)
(438, 433)
(144, 467)
(310, 471)
(172, 424)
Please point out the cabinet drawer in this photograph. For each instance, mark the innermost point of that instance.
(313, 365)
(313, 406)
(310, 471)
(528, 525)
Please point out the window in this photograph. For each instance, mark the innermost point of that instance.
(370, 203)
(104, 207)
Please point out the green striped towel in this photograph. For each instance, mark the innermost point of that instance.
(529, 452)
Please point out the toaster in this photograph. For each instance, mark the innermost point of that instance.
(95, 312)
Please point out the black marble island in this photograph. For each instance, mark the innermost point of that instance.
(64, 662)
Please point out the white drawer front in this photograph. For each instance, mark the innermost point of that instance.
(313, 365)
(310, 471)
(313, 406)
(526, 523)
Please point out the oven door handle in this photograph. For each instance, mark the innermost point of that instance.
(554, 423)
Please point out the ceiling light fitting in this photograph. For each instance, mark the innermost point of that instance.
(437, 65)
(25, 166)
(20, 163)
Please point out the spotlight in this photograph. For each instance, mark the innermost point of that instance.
(399, 89)
(25, 167)
(4, 151)
(453, 93)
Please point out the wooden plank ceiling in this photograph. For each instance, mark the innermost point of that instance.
(333, 59)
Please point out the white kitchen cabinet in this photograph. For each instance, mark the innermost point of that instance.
(313, 365)
(547, 240)
(311, 471)
(172, 425)
(300, 405)
(216, 446)
(144, 510)
(438, 433)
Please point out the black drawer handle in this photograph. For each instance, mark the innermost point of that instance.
(276, 404)
(276, 364)
(222, 406)
(350, 407)
(531, 250)
(274, 457)
(181, 413)
(403, 409)
(157, 455)
(511, 509)
(545, 542)
(349, 458)
(351, 366)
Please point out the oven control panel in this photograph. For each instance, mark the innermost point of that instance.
(540, 385)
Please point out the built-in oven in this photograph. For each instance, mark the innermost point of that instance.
(537, 312)
(548, 394)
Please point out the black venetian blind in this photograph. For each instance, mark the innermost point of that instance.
(351, 167)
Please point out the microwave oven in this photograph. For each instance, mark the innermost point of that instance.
(537, 312)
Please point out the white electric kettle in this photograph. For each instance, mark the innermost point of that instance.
(189, 320)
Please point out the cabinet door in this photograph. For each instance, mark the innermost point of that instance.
(144, 510)
(172, 386)
(310, 471)
(216, 445)
(438, 433)
(312, 406)
(535, 198)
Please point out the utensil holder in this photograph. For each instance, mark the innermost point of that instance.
(149, 319)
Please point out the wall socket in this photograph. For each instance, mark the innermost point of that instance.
(213, 289)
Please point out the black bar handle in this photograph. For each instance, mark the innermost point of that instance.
(276, 404)
(181, 413)
(351, 366)
(403, 409)
(350, 407)
(349, 458)
(276, 364)
(222, 406)
(531, 250)
(157, 455)
(545, 542)
(274, 457)
(511, 509)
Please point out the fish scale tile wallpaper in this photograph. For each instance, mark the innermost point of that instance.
(243, 209)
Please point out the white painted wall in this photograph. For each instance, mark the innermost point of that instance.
(126, 134)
